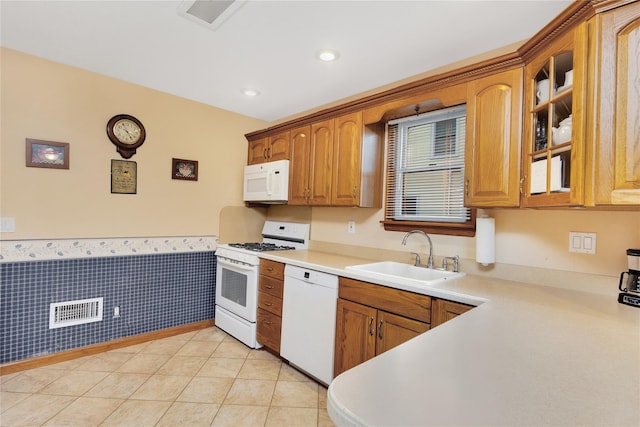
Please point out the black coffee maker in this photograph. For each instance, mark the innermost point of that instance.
(630, 288)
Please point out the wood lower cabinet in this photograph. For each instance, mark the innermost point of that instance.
(444, 310)
(355, 335)
(372, 319)
(270, 289)
(393, 330)
(492, 150)
(616, 120)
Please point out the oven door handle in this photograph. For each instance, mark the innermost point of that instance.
(223, 261)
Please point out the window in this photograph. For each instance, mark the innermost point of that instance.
(425, 173)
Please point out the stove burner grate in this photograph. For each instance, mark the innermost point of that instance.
(261, 247)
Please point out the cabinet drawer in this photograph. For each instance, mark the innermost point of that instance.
(271, 286)
(272, 269)
(408, 304)
(270, 303)
(268, 330)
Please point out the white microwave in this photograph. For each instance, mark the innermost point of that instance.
(267, 182)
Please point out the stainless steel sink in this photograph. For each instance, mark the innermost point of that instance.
(405, 272)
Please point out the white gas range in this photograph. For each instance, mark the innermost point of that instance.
(237, 277)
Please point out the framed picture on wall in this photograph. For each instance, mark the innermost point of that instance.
(47, 154)
(184, 169)
(124, 177)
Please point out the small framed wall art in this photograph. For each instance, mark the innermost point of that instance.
(47, 154)
(184, 169)
(124, 177)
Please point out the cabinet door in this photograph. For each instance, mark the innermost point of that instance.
(299, 166)
(355, 335)
(393, 330)
(492, 153)
(617, 146)
(444, 311)
(268, 329)
(278, 146)
(321, 156)
(347, 160)
(553, 156)
(258, 151)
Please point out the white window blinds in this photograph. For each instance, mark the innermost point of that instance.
(425, 167)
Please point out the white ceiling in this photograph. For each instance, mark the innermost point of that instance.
(268, 45)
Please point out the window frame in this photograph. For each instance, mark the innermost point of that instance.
(466, 228)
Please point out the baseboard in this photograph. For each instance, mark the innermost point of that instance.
(63, 356)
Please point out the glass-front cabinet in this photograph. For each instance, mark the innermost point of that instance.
(553, 152)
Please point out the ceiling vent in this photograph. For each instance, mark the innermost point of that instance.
(209, 13)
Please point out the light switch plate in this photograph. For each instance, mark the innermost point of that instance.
(7, 225)
(582, 243)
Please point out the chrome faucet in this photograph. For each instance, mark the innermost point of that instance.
(430, 260)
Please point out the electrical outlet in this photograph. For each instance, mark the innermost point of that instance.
(116, 311)
(582, 243)
(351, 227)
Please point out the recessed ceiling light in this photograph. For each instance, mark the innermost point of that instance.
(250, 92)
(327, 55)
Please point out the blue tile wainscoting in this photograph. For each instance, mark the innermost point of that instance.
(157, 283)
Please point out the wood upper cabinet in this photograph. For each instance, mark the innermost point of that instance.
(336, 162)
(320, 163)
(492, 151)
(372, 319)
(617, 113)
(310, 164)
(357, 163)
(269, 149)
(299, 166)
(443, 311)
(553, 158)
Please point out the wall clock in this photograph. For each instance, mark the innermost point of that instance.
(126, 133)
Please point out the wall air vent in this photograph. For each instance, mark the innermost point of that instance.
(209, 13)
(77, 312)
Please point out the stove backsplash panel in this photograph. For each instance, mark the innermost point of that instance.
(153, 292)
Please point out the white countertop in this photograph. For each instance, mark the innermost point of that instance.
(527, 355)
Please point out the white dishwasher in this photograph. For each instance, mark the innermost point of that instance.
(309, 321)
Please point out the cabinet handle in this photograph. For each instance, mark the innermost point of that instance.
(264, 154)
(269, 287)
(380, 330)
(269, 268)
(370, 325)
(268, 304)
(268, 322)
(269, 152)
(466, 187)
(522, 184)
(355, 191)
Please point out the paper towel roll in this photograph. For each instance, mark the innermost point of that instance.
(485, 240)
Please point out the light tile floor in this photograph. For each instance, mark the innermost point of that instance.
(201, 378)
